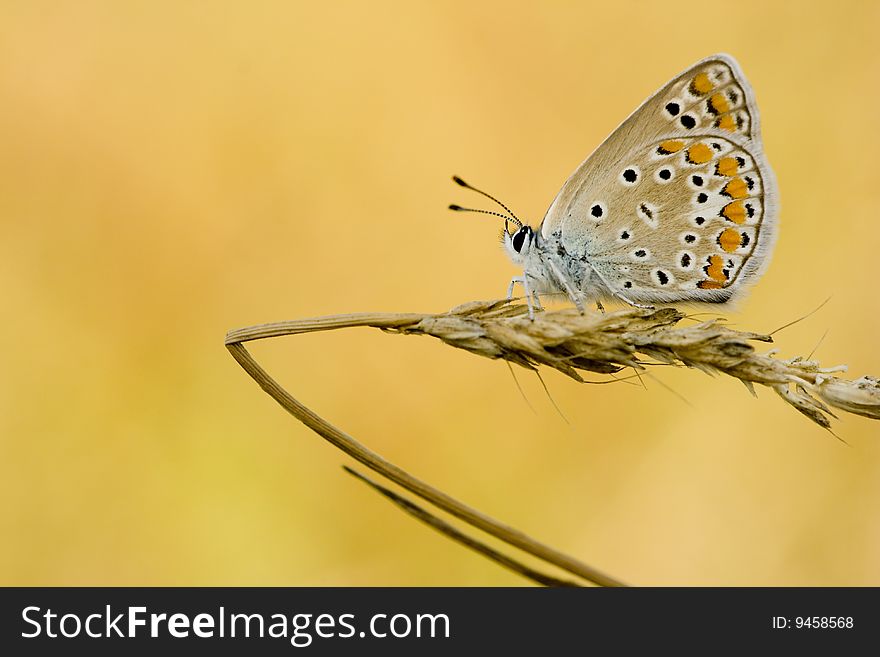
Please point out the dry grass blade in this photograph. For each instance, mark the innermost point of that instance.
(572, 343)
(604, 343)
(459, 537)
(375, 462)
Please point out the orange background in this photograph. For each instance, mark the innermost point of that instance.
(170, 170)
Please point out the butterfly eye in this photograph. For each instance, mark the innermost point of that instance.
(519, 239)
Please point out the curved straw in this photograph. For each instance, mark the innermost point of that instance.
(371, 459)
(571, 342)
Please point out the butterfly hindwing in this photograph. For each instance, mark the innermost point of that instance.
(691, 226)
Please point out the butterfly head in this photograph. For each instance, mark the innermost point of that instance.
(519, 244)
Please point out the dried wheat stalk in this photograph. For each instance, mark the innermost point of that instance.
(604, 343)
(565, 340)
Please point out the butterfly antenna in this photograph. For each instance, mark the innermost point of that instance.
(458, 208)
(513, 217)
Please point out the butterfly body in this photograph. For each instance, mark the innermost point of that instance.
(549, 268)
(677, 204)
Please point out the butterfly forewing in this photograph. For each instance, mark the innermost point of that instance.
(678, 203)
(712, 94)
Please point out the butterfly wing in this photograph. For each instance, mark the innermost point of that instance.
(679, 202)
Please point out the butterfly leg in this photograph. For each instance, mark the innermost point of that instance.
(635, 304)
(566, 285)
(617, 294)
(513, 281)
(537, 301)
(530, 296)
(528, 293)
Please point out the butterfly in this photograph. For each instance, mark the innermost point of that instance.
(677, 204)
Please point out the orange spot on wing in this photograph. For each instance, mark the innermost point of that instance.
(699, 154)
(727, 122)
(715, 270)
(730, 240)
(671, 146)
(736, 188)
(701, 85)
(709, 285)
(718, 104)
(727, 166)
(735, 212)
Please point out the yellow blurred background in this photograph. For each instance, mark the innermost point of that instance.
(171, 170)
